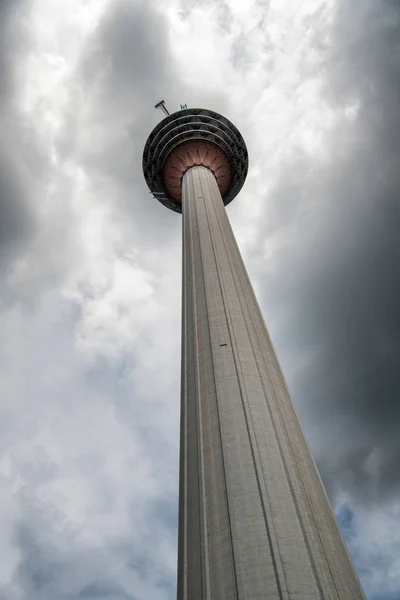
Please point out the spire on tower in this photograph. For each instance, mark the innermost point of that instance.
(161, 105)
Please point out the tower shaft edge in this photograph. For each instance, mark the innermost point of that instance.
(255, 522)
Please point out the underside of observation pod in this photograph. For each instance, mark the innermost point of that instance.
(188, 138)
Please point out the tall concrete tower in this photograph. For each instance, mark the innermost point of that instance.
(255, 522)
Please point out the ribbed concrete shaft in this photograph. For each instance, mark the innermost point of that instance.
(254, 519)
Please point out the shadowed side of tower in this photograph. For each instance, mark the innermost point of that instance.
(254, 519)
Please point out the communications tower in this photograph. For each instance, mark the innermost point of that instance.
(255, 522)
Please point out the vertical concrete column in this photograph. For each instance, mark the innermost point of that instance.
(254, 519)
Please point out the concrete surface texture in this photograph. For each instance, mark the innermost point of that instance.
(255, 522)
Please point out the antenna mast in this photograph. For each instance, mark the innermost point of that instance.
(163, 107)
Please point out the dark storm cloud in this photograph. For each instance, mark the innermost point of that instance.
(18, 155)
(338, 287)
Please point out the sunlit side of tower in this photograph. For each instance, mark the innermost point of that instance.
(255, 522)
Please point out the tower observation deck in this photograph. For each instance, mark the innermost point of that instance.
(255, 522)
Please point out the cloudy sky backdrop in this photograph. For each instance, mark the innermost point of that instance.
(90, 270)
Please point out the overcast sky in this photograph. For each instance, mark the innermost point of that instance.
(90, 270)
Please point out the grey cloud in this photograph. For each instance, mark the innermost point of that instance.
(126, 68)
(55, 562)
(48, 569)
(122, 542)
(25, 166)
(14, 41)
(338, 285)
(16, 219)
